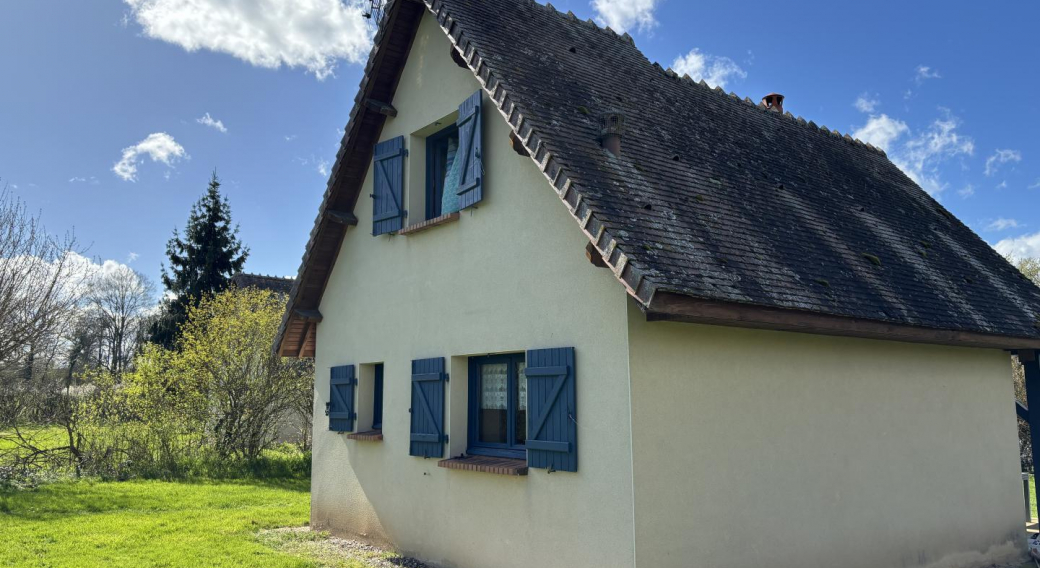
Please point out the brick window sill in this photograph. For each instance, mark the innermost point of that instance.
(370, 436)
(484, 464)
(429, 224)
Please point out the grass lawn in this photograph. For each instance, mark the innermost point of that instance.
(150, 524)
(46, 437)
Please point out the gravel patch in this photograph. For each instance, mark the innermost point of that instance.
(334, 552)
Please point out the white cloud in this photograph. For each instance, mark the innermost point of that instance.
(159, 146)
(967, 191)
(1003, 224)
(924, 73)
(323, 168)
(211, 122)
(622, 15)
(132, 257)
(920, 155)
(999, 157)
(313, 34)
(866, 103)
(80, 179)
(881, 131)
(77, 271)
(290, 138)
(1035, 185)
(713, 69)
(1024, 246)
(1001, 185)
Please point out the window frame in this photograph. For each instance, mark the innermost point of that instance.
(377, 396)
(474, 445)
(435, 184)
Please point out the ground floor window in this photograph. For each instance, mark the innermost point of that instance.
(498, 405)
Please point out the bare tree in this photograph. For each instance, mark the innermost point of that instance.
(39, 286)
(119, 303)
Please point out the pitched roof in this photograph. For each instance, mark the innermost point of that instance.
(262, 281)
(717, 200)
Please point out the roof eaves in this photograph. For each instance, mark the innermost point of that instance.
(358, 114)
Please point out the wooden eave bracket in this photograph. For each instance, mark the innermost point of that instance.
(342, 217)
(381, 107)
(594, 256)
(457, 58)
(310, 316)
(518, 145)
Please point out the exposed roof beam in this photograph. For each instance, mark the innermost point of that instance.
(305, 336)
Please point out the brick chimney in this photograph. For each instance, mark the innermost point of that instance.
(774, 101)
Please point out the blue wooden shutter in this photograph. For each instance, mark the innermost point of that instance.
(428, 437)
(388, 186)
(471, 174)
(552, 427)
(341, 399)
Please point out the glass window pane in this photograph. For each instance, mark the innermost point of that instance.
(494, 382)
(521, 403)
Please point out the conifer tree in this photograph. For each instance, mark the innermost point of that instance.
(202, 262)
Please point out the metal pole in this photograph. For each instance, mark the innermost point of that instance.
(1032, 372)
(1025, 491)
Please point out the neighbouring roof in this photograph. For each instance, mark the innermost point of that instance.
(263, 282)
(714, 199)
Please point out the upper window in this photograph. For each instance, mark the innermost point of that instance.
(498, 405)
(453, 172)
(442, 172)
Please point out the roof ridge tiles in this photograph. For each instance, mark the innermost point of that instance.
(669, 72)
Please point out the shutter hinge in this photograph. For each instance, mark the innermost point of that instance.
(328, 408)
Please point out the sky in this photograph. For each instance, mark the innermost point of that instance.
(114, 114)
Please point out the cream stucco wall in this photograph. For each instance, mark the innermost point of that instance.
(508, 276)
(759, 448)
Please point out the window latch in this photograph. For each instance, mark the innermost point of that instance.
(328, 408)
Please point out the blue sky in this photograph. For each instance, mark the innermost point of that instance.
(100, 103)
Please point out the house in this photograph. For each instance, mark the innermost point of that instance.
(276, 284)
(570, 309)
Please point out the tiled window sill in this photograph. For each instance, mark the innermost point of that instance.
(370, 436)
(429, 223)
(484, 464)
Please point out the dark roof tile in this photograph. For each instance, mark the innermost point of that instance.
(715, 197)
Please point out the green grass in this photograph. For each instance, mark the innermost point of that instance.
(43, 437)
(1032, 494)
(150, 524)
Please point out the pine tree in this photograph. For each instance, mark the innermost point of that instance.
(201, 263)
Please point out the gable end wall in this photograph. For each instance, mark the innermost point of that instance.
(509, 275)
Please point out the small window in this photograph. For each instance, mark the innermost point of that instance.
(498, 405)
(442, 172)
(377, 398)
